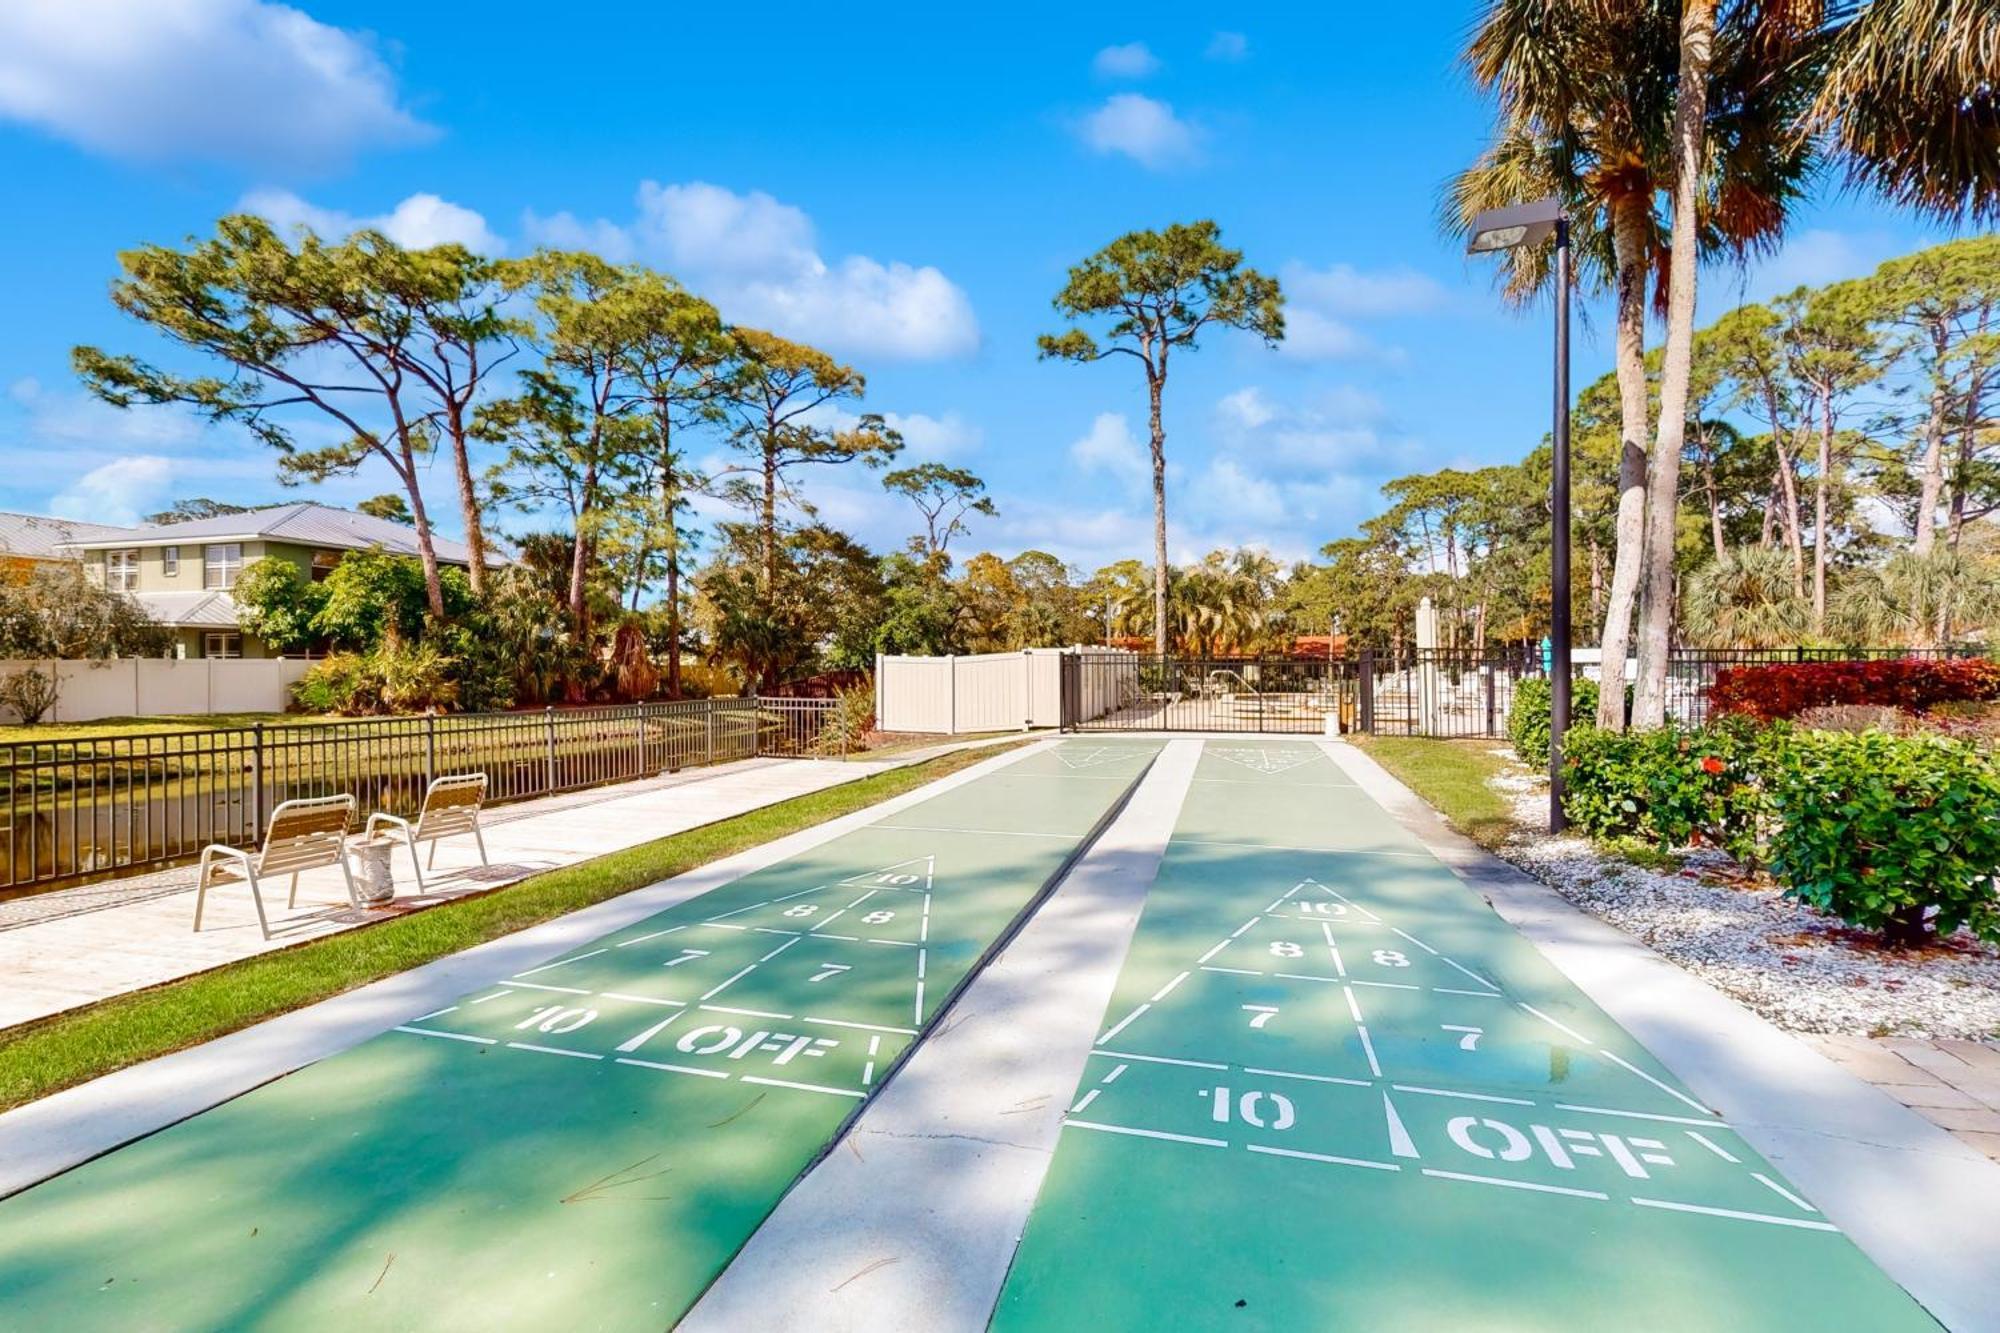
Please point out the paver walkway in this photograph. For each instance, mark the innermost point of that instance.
(1953, 1084)
(1334, 1090)
(76, 946)
(588, 1142)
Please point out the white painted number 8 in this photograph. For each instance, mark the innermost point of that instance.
(1286, 949)
(803, 909)
(879, 918)
(1390, 958)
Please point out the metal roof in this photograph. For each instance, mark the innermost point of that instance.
(303, 524)
(40, 537)
(189, 610)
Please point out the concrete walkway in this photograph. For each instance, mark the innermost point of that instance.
(75, 946)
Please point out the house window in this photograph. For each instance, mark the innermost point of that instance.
(170, 560)
(323, 563)
(221, 643)
(121, 570)
(221, 564)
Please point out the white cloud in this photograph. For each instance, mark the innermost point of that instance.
(1320, 305)
(1229, 46)
(926, 439)
(1133, 60)
(1312, 336)
(1246, 409)
(120, 491)
(1342, 289)
(1812, 259)
(419, 222)
(1145, 130)
(232, 81)
(757, 258)
(1110, 447)
(78, 418)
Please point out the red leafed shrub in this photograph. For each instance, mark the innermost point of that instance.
(1787, 689)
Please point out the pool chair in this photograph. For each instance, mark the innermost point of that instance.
(303, 835)
(451, 807)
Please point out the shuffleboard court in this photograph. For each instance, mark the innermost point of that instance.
(1334, 1090)
(586, 1144)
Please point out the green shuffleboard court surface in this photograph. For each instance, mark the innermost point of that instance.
(1334, 1090)
(587, 1144)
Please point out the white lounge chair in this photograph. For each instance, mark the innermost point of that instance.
(303, 835)
(451, 807)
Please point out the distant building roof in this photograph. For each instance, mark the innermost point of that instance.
(39, 537)
(189, 610)
(303, 524)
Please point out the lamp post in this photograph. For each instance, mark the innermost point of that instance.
(1493, 231)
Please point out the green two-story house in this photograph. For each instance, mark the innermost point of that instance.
(182, 573)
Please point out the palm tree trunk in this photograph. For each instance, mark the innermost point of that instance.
(1628, 222)
(1656, 591)
(1788, 509)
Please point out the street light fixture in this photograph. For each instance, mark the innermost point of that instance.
(1493, 231)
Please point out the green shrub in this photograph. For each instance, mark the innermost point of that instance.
(395, 678)
(848, 724)
(1528, 715)
(1671, 788)
(340, 683)
(1884, 830)
(413, 677)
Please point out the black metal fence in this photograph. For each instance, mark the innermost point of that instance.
(1440, 692)
(81, 808)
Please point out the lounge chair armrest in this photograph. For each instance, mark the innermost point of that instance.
(394, 820)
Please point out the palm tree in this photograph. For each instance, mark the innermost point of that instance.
(1747, 598)
(1586, 105)
(1911, 102)
(1922, 601)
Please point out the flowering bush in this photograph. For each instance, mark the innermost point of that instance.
(1897, 834)
(1787, 689)
(1670, 787)
(1892, 833)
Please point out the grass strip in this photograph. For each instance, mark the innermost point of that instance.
(1454, 776)
(66, 1049)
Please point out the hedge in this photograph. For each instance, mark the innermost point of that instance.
(1528, 715)
(1785, 690)
(1896, 834)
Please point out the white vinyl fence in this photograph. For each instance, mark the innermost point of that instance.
(162, 687)
(977, 692)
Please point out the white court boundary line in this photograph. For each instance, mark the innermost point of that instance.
(47, 1137)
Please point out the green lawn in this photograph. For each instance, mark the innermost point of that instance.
(59, 1052)
(141, 726)
(1451, 775)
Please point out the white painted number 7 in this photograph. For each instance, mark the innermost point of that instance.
(830, 970)
(1264, 1013)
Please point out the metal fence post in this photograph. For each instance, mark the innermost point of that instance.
(549, 724)
(430, 748)
(256, 779)
(1364, 683)
(642, 740)
(708, 752)
(1490, 672)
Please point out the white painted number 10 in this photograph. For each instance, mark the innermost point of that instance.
(1260, 1110)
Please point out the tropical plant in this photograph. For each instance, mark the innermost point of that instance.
(1749, 598)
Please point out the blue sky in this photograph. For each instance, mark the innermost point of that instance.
(905, 188)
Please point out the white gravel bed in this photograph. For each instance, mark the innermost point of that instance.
(1795, 967)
